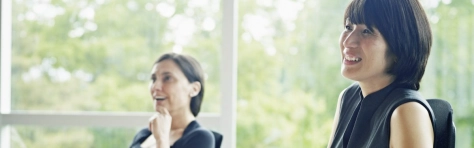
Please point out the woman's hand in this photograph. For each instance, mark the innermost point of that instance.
(160, 126)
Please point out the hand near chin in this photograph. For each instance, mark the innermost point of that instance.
(160, 126)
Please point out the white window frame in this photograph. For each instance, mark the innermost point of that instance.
(225, 122)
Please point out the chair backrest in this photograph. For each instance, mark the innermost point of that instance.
(445, 130)
(218, 139)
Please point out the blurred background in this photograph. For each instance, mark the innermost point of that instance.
(96, 55)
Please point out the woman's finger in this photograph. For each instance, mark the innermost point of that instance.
(150, 127)
(152, 117)
(165, 111)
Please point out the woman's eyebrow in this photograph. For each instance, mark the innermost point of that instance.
(162, 73)
(166, 73)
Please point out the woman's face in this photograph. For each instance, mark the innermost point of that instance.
(363, 53)
(170, 88)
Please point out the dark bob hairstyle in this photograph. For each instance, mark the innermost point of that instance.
(193, 72)
(405, 27)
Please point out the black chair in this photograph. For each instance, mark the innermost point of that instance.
(445, 130)
(218, 139)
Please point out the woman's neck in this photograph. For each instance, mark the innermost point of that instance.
(372, 86)
(181, 119)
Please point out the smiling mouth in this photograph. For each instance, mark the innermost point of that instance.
(159, 98)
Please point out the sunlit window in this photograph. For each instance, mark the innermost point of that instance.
(291, 49)
(96, 55)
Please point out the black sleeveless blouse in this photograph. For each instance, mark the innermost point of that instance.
(365, 122)
(194, 136)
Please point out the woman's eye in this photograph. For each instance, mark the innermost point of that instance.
(347, 27)
(367, 31)
(166, 78)
(153, 79)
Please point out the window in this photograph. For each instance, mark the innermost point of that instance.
(97, 55)
(77, 66)
(289, 66)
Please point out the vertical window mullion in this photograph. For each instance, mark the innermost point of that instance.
(6, 45)
(5, 68)
(228, 73)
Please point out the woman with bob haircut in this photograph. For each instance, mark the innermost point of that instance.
(177, 90)
(384, 48)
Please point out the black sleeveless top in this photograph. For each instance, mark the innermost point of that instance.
(365, 122)
(193, 136)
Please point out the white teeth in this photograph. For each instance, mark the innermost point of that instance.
(354, 59)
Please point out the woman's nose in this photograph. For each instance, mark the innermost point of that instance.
(156, 85)
(351, 40)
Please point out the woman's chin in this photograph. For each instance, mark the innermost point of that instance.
(160, 106)
(349, 75)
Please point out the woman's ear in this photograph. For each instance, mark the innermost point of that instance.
(195, 88)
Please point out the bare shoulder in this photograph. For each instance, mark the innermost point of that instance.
(410, 126)
(409, 110)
